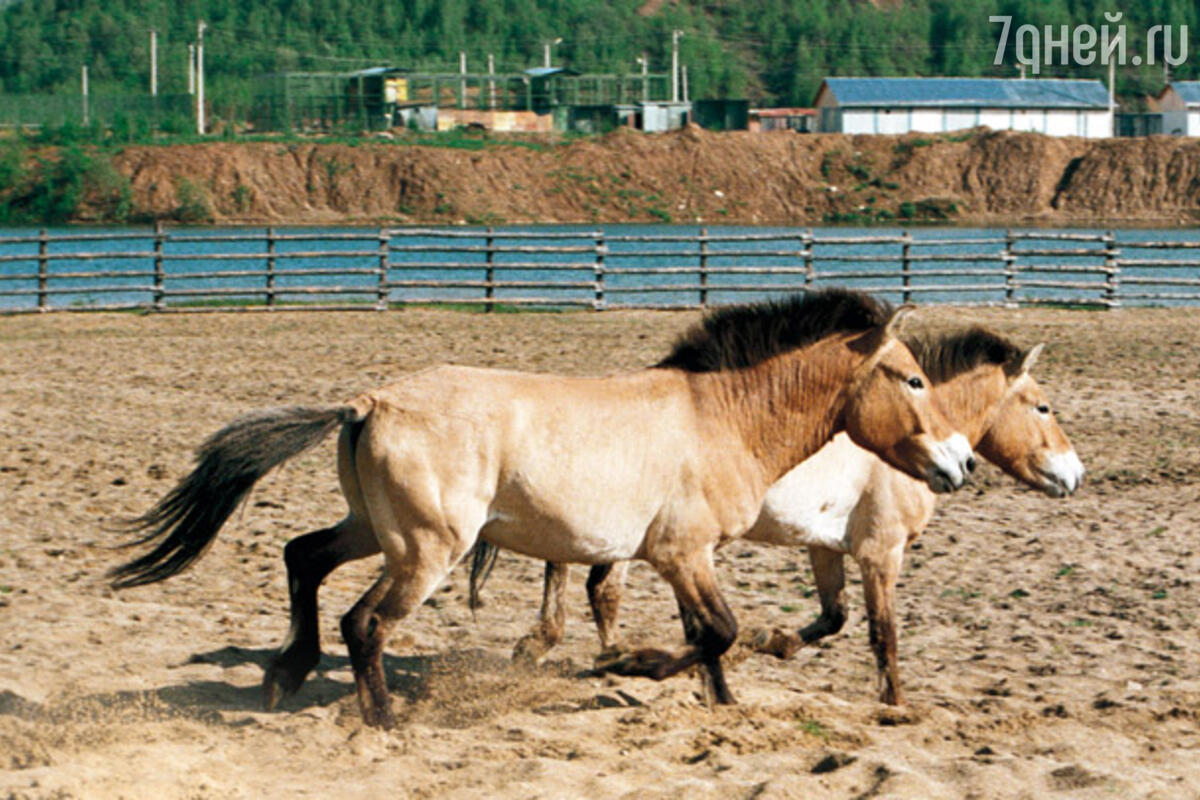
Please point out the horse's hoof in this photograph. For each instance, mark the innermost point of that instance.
(608, 658)
(773, 641)
(529, 651)
(277, 685)
(381, 718)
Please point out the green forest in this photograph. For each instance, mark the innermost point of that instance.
(774, 52)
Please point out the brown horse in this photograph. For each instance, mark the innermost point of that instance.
(844, 501)
(664, 464)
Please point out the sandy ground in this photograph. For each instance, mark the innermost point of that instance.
(1048, 648)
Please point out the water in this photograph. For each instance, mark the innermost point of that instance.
(200, 269)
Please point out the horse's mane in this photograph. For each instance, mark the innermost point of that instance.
(741, 336)
(947, 355)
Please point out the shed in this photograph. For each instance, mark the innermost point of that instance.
(377, 92)
(1056, 107)
(1179, 104)
(721, 115)
(666, 116)
(544, 93)
(803, 120)
(593, 119)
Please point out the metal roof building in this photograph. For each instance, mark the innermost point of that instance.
(936, 105)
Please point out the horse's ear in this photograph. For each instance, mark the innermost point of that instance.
(875, 338)
(898, 317)
(1030, 358)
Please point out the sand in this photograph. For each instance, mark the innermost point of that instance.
(1048, 648)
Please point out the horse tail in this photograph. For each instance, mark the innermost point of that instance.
(229, 463)
(483, 558)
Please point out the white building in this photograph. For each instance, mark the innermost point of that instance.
(936, 105)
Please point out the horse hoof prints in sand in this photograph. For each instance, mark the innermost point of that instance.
(845, 501)
(664, 464)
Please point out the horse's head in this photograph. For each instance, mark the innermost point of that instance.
(1024, 439)
(891, 411)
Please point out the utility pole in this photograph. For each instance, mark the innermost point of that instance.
(200, 77)
(547, 50)
(462, 83)
(491, 83)
(153, 63)
(685, 87)
(191, 69)
(645, 90)
(83, 77)
(675, 34)
(1112, 94)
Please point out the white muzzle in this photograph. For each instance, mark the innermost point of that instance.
(953, 461)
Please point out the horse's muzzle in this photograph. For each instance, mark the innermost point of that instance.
(952, 461)
(1061, 474)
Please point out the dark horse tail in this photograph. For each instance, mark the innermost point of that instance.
(229, 463)
(483, 558)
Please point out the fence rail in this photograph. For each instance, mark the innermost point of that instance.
(184, 270)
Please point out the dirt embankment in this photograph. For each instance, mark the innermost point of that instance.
(689, 176)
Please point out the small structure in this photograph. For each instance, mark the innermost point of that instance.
(1145, 123)
(664, 116)
(765, 120)
(721, 115)
(375, 94)
(1179, 104)
(936, 105)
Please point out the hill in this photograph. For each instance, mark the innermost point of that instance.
(691, 176)
(774, 52)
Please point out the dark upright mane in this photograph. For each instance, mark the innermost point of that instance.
(744, 335)
(943, 357)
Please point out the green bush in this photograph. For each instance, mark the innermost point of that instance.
(194, 203)
(57, 196)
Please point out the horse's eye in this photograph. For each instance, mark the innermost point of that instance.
(1043, 409)
(916, 382)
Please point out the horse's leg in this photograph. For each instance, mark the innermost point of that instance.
(709, 626)
(830, 577)
(879, 587)
(310, 558)
(713, 687)
(413, 571)
(604, 585)
(552, 621)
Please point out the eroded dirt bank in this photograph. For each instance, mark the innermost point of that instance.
(692, 175)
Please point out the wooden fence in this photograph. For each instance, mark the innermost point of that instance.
(190, 270)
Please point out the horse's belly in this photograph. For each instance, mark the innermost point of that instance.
(602, 539)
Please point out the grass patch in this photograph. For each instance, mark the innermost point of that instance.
(813, 728)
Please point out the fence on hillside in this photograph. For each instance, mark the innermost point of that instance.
(175, 270)
(173, 112)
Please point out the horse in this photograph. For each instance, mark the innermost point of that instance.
(844, 500)
(663, 464)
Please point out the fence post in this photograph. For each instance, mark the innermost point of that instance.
(43, 269)
(810, 273)
(381, 298)
(489, 291)
(1009, 257)
(270, 266)
(598, 302)
(906, 266)
(160, 275)
(1112, 271)
(704, 267)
